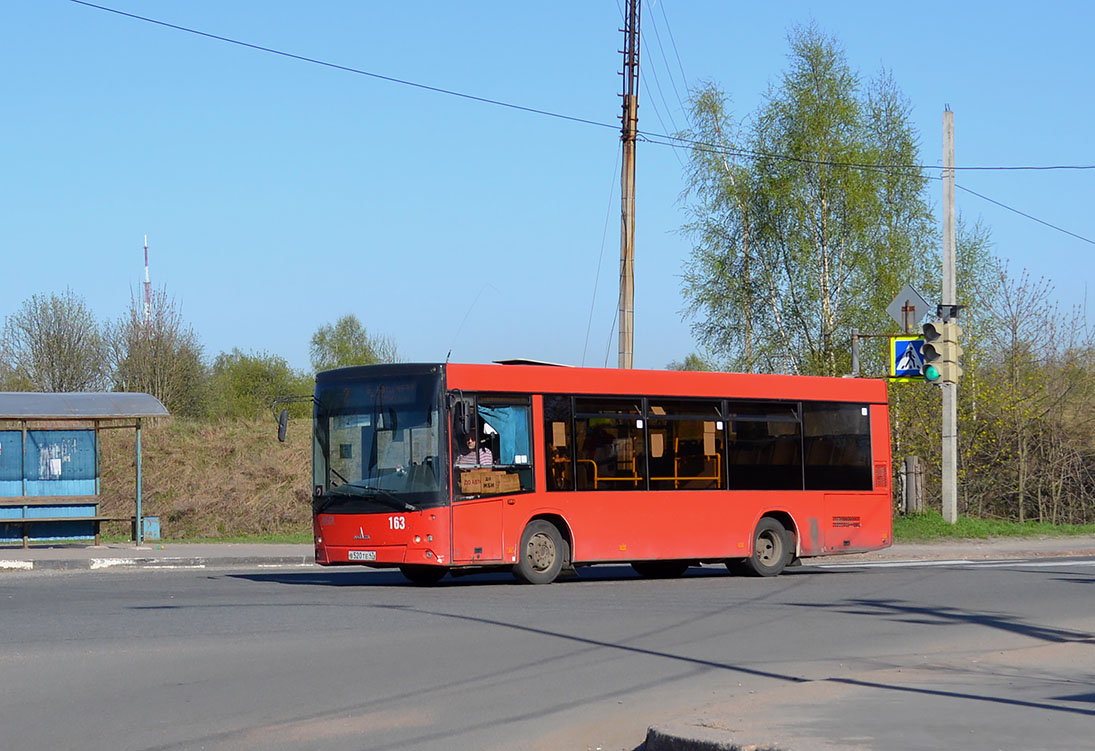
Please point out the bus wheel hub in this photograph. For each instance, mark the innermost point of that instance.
(541, 552)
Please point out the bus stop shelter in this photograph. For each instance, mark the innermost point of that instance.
(50, 457)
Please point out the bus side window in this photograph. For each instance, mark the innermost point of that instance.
(765, 446)
(504, 449)
(507, 429)
(609, 444)
(838, 446)
(686, 445)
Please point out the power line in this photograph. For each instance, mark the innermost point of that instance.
(665, 61)
(707, 148)
(672, 141)
(346, 68)
(668, 112)
(600, 256)
(677, 141)
(684, 78)
(1021, 213)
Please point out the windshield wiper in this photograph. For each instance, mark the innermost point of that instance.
(374, 494)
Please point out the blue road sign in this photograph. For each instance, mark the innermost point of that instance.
(906, 358)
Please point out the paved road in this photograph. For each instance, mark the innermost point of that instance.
(993, 655)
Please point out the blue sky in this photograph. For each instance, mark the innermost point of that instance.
(279, 195)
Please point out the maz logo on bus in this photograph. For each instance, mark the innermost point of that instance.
(397, 522)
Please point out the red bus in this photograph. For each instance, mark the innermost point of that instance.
(537, 469)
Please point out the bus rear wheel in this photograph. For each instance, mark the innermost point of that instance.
(540, 557)
(660, 569)
(772, 551)
(423, 575)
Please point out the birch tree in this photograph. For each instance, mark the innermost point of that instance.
(807, 220)
(347, 343)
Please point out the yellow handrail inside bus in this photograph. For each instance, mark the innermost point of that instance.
(676, 477)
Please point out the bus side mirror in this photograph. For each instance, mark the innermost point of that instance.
(462, 418)
(283, 424)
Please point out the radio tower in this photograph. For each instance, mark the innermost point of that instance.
(147, 285)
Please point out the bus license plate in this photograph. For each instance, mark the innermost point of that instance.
(362, 555)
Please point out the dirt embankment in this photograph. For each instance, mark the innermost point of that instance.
(211, 479)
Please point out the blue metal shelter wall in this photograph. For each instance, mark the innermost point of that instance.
(57, 463)
(11, 463)
(60, 462)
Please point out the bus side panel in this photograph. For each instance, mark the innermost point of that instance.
(477, 531)
(856, 522)
(631, 526)
(623, 526)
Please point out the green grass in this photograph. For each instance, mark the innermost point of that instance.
(930, 526)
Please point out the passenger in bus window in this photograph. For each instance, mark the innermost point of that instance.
(468, 456)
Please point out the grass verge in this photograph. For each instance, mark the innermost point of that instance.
(930, 526)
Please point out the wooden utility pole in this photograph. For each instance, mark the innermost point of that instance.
(949, 314)
(630, 122)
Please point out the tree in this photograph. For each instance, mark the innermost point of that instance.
(1031, 442)
(244, 385)
(53, 343)
(348, 343)
(691, 362)
(155, 352)
(799, 238)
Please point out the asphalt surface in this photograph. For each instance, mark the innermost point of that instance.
(694, 733)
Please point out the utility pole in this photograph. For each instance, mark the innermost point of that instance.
(630, 122)
(949, 314)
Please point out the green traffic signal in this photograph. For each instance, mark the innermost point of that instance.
(941, 352)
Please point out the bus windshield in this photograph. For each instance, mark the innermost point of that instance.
(377, 445)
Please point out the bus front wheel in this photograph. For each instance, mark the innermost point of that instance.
(541, 554)
(771, 550)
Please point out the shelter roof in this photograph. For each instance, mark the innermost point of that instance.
(33, 405)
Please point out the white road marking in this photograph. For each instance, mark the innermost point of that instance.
(97, 563)
(1039, 564)
(998, 563)
(17, 565)
(892, 564)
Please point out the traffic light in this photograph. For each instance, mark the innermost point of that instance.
(941, 352)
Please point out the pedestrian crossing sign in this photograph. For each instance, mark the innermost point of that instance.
(906, 358)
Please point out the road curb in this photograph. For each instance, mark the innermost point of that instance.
(686, 737)
(106, 564)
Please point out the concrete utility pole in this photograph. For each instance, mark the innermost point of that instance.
(949, 314)
(630, 124)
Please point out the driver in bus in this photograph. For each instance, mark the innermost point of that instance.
(468, 456)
